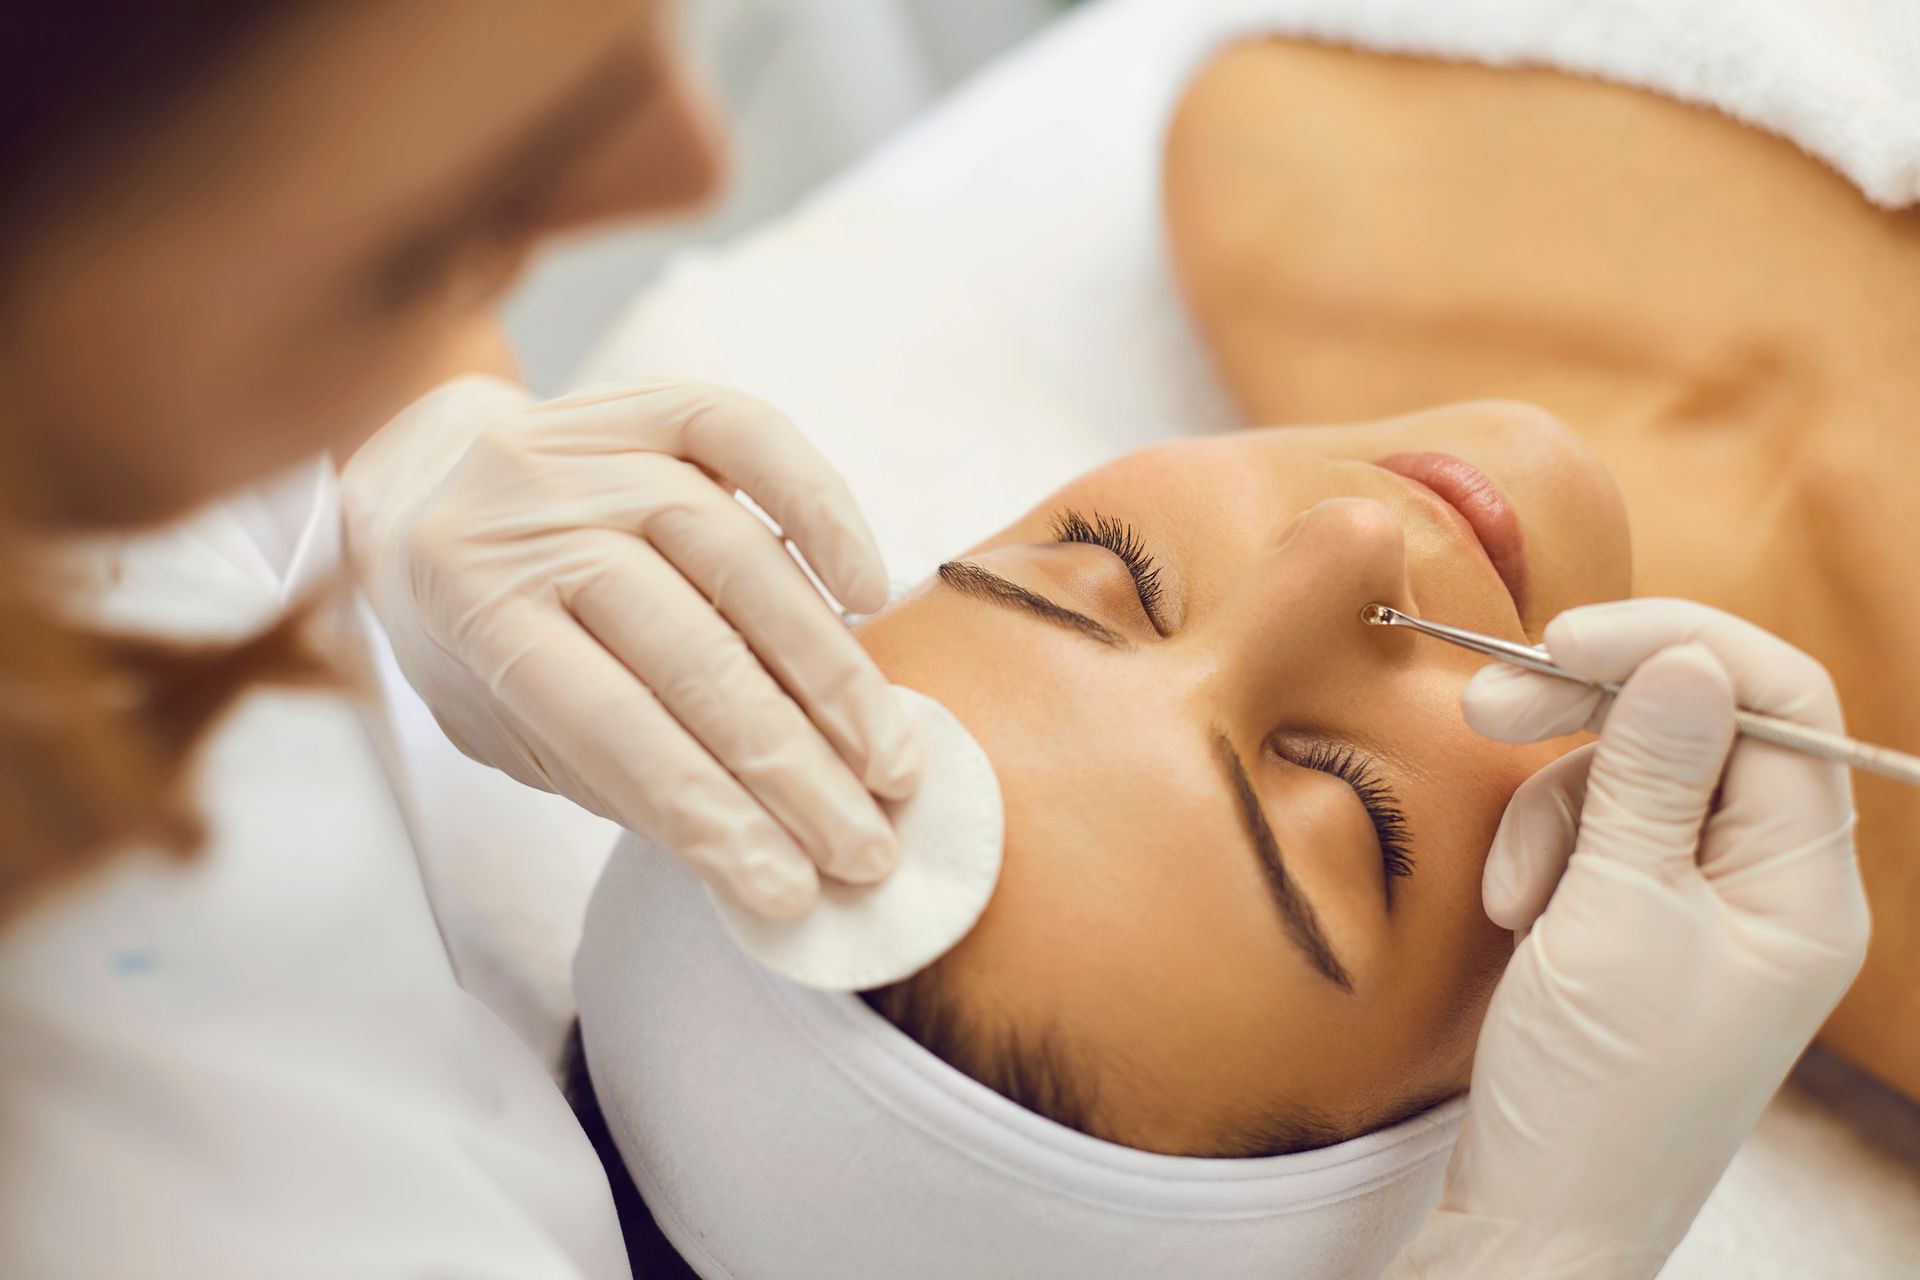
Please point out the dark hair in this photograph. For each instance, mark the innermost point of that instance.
(648, 1253)
(1032, 1070)
(1040, 1073)
(82, 78)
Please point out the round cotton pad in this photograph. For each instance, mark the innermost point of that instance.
(865, 936)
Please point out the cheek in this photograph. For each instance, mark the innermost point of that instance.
(1452, 953)
(1469, 803)
(1484, 950)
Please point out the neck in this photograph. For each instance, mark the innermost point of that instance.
(1721, 315)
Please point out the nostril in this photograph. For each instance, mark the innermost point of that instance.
(1347, 552)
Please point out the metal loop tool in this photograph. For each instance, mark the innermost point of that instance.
(1839, 748)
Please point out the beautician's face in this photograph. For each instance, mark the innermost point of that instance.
(1147, 758)
(316, 234)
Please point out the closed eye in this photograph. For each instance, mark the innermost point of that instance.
(1390, 826)
(1124, 541)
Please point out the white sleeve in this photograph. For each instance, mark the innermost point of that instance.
(260, 1063)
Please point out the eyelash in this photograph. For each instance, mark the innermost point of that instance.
(1123, 540)
(1390, 825)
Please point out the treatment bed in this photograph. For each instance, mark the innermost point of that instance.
(973, 315)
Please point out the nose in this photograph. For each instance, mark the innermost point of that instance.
(671, 156)
(1303, 594)
(1337, 557)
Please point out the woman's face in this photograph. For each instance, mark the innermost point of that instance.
(314, 235)
(1244, 831)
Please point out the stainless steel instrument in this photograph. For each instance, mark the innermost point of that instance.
(1884, 761)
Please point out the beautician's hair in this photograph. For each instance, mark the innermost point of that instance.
(96, 729)
(80, 81)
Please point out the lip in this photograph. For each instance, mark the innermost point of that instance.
(1479, 501)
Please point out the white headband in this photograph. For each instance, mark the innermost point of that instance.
(780, 1133)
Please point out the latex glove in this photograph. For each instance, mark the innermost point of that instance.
(578, 596)
(1689, 920)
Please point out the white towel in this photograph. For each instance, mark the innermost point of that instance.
(1841, 78)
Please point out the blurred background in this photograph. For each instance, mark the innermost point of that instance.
(809, 86)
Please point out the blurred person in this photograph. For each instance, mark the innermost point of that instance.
(238, 235)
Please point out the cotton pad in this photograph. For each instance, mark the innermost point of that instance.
(951, 834)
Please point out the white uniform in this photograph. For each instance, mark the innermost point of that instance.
(260, 1063)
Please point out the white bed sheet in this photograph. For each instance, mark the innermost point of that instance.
(980, 312)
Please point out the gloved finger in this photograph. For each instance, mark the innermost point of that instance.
(1535, 840)
(423, 439)
(1608, 641)
(758, 450)
(744, 569)
(1784, 835)
(636, 765)
(701, 670)
(1803, 806)
(1659, 759)
(1799, 802)
(1511, 704)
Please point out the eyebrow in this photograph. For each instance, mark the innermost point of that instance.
(1296, 912)
(981, 584)
(1302, 922)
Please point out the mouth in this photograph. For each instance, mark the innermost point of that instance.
(1480, 503)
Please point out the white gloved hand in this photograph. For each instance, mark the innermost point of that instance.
(577, 594)
(1687, 919)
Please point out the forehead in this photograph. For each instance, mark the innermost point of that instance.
(1058, 713)
(1108, 763)
(378, 99)
(1131, 913)
(1109, 792)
